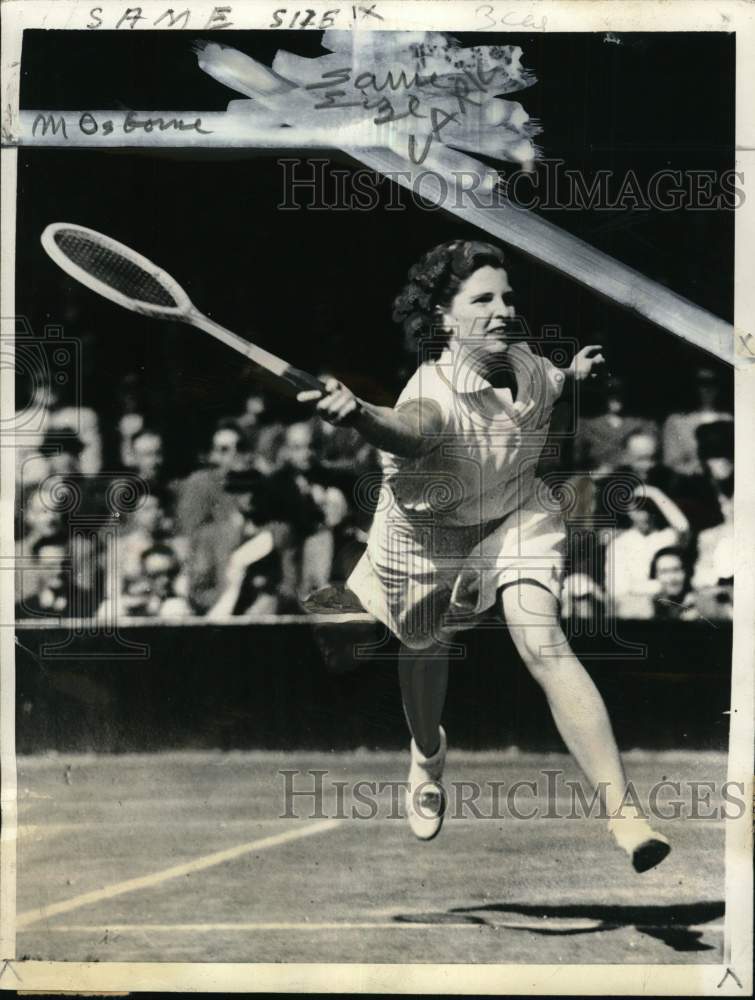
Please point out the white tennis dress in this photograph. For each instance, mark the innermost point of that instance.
(469, 516)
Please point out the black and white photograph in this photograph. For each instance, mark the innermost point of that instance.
(378, 590)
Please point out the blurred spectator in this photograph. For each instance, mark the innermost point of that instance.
(673, 600)
(639, 455)
(202, 497)
(228, 576)
(298, 472)
(600, 496)
(229, 447)
(641, 460)
(345, 455)
(679, 430)
(254, 408)
(715, 557)
(582, 598)
(47, 413)
(297, 452)
(152, 593)
(55, 595)
(63, 454)
(330, 553)
(711, 495)
(149, 525)
(600, 441)
(130, 417)
(713, 578)
(656, 523)
(715, 600)
(66, 476)
(264, 435)
(44, 518)
(148, 457)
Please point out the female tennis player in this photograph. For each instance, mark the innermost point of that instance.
(464, 526)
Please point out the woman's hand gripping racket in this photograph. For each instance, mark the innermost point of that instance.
(132, 281)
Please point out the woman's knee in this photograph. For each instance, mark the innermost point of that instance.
(531, 614)
(538, 645)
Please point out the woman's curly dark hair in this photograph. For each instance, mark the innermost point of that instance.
(433, 282)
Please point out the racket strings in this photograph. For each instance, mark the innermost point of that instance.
(113, 269)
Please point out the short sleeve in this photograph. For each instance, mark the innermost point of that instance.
(430, 384)
(555, 379)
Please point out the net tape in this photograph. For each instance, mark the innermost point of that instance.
(113, 269)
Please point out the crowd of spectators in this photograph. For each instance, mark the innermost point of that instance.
(265, 518)
(651, 527)
(268, 513)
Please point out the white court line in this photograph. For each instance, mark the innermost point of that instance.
(157, 878)
(584, 924)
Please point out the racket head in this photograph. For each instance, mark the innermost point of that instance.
(115, 271)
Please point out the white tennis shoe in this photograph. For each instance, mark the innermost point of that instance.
(425, 796)
(645, 847)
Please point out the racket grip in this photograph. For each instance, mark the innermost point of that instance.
(302, 380)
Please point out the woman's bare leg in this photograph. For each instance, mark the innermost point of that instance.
(423, 676)
(531, 613)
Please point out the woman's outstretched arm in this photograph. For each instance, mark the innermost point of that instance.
(409, 430)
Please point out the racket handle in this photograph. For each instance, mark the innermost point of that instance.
(276, 372)
(302, 380)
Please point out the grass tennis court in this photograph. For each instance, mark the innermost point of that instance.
(184, 857)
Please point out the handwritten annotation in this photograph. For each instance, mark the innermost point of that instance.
(89, 125)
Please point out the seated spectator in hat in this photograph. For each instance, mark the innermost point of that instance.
(330, 553)
(244, 564)
(673, 599)
(711, 495)
(56, 594)
(202, 497)
(153, 592)
(656, 523)
(680, 451)
(600, 442)
(582, 599)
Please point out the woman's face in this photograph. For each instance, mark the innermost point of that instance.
(479, 312)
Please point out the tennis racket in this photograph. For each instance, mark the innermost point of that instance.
(125, 277)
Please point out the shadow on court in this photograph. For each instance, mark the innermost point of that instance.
(675, 926)
(188, 857)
